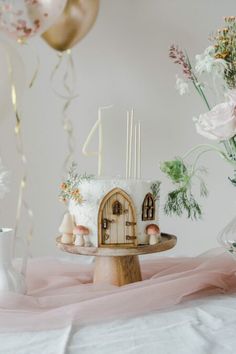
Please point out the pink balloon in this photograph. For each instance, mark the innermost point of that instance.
(22, 19)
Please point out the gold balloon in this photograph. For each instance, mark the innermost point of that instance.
(74, 23)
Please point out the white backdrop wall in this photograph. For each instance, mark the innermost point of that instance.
(123, 61)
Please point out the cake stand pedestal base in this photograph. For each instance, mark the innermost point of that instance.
(118, 265)
(117, 270)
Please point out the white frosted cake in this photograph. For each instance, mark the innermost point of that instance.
(118, 212)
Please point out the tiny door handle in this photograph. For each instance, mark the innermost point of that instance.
(130, 223)
(105, 223)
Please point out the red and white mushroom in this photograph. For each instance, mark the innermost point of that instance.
(153, 231)
(82, 236)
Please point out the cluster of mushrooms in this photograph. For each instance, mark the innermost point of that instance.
(79, 234)
(74, 234)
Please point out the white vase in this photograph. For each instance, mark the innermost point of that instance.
(79, 240)
(227, 237)
(10, 278)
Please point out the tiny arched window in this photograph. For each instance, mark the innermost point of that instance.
(148, 209)
(116, 208)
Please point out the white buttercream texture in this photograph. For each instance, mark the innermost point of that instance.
(93, 193)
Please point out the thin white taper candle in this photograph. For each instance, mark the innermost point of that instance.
(135, 151)
(131, 141)
(100, 143)
(127, 145)
(139, 149)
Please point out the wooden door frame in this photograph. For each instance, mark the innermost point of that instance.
(100, 212)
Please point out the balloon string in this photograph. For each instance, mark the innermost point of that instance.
(36, 71)
(37, 61)
(22, 202)
(67, 93)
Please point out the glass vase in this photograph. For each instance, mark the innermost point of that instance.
(227, 237)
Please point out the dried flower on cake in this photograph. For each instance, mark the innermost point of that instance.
(69, 189)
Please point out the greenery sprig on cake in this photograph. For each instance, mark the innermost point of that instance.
(69, 189)
(155, 188)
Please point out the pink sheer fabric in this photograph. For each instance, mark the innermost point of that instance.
(62, 293)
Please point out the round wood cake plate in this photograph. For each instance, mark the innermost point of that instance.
(118, 265)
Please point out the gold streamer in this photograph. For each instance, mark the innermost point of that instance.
(37, 64)
(22, 202)
(68, 95)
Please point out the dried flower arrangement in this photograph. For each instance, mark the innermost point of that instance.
(219, 124)
(69, 188)
(225, 50)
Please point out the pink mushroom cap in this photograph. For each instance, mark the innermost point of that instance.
(152, 229)
(81, 230)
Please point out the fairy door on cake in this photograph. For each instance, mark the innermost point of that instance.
(117, 220)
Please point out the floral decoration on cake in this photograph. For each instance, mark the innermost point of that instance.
(155, 188)
(69, 189)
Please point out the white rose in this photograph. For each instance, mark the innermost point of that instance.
(231, 96)
(219, 123)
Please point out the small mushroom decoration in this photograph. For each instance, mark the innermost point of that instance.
(66, 229)
(82, 236)
(153, 231)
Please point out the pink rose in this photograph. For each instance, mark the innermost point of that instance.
(220, 122)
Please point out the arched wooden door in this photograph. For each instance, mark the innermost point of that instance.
(117, 220)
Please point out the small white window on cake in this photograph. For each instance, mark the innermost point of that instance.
(148, 209)
(116, 208)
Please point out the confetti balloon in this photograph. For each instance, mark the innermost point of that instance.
(22, 19)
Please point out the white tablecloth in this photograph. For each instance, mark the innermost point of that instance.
(203, 326)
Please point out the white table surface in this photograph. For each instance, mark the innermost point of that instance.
(203, 326)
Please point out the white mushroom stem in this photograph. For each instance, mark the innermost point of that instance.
(154, 239)
(79, 240)
(87, 242)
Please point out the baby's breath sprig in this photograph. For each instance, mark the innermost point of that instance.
(69, 189)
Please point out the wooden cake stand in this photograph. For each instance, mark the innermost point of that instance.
(118, 265)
